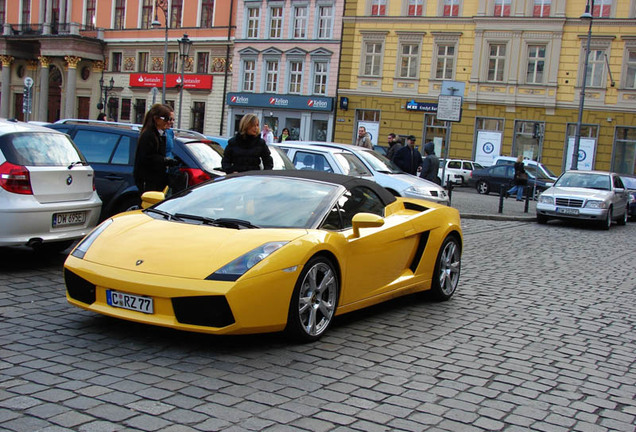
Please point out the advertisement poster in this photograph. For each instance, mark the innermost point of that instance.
(488, 147)
(373, 129)
(587, 148)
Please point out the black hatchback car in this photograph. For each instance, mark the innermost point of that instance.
(110, 150)
(498, 177)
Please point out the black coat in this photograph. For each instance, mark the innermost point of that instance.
(521, 177)
(408, 159)
(245, 153)
(150, 161)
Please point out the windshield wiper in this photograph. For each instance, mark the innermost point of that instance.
(234, 223)
(203, 219)
(74, 164)
(163, 213)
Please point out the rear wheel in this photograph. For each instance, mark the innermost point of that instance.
(447, 269)
(314, 300)
(483, 187)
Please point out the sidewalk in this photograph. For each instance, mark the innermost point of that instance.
(472, 205)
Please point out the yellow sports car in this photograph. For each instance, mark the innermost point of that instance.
(263, 252)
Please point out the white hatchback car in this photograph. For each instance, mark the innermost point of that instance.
(456, 170)
(47, 190)
(362, 162)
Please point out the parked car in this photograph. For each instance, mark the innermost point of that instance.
(497, 177)
(595, 196)
(544, 171)
(630, 185)
(47, 188)
(263, 252)
(363, 162)
(457, 170)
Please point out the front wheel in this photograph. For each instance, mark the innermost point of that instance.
(314, 300)
(607, 223)
(623, 219)
(447, 269)
(541, 219)
(482, 187)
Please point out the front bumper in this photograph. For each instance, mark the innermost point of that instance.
(578, 213)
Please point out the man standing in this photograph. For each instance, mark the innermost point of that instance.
(364, 140)
(268, 136)
(395, 144)
(408, 158)
(430, 165)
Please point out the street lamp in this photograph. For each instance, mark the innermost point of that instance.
(184, 52)
(106, 90)
(589, 8)
(163, 6)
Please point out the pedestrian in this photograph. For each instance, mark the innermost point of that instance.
(520, 179)
(268, 136)
(247, 149)
(284, 135)
(408, 158)
(101, 116)
(151, 163)
(364, 139)
(430, 164)
(394, 145)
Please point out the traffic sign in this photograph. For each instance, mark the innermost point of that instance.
(449, 108)
(28, 82)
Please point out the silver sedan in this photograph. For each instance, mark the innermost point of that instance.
(595, 196)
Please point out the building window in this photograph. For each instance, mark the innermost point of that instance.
(26, 13)
(142, 62)
(203, 62)
(295, 77)
(146, 14)
(253, 18)
(630, 75)
(536, 64)
(140, 110)
(173, 58)
(496, 62)
(445, 67)
(120, 14)
(116, 66)
(624, 157)
(89, 18)
(378, 7)
(602, 8)
(276, 22)
(502, 8)
(451, 8)
(249, 72)
(408, 60)
(325, 22)
(125, 109)
(271, 76)
(541, 8)
(3, 11)
(207, 13)
(415, 8)
(176, 13)
(300, 22)
(320, 78)
(595, 68)
(372, 58)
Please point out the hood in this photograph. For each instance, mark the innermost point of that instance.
(175, 248)
(581, 193)
(429, 148)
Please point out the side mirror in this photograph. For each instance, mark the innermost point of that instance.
(365, 220)
(151, 198)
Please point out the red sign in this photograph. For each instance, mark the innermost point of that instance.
(203, 82)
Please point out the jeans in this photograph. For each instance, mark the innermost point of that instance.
(519, 189)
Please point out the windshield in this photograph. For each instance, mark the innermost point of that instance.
(351, 165)
(209, 158)
(260, 200)
(584, 180)
(545, 172)
(379, 163)
(629, 182)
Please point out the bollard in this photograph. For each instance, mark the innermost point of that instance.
(449, 187)
(501, 198)
(525, 208)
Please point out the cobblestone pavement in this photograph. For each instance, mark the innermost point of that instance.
(539, 337)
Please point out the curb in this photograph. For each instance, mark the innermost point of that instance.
(498, 217)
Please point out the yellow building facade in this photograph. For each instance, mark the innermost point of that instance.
(518, 65)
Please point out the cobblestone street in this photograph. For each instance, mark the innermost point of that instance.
(540, 336)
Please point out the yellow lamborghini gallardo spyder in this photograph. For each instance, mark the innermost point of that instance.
(265, 251)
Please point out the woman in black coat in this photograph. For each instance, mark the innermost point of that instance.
(520, 179)
(247, 150)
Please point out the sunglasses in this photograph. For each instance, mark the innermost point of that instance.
(167, 119)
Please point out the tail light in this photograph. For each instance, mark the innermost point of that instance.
(15, 179)
(195, 175)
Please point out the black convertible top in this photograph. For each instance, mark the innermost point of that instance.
(348, 182)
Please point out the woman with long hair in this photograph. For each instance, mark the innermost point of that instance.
(247, 149)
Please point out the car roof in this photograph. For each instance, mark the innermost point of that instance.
(348, 182)
(302, 145)
(12, 126)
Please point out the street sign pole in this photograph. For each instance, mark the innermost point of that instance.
(27, 98)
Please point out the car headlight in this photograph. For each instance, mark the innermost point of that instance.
(81, 249)
(235, 269)
(596, 204)
(422, 191)
(545, 199)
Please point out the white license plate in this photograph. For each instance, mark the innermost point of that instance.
(568, 211)
(66, 219)
(130, 301)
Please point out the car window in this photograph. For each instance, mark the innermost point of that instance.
(629, 182)
(500, 170)
(618, 183)
(454, 164)
(39, 149)
(358, 200)
(467, 166)
(477, 166)
(351, 165)
(209, 158)
(122, 152)
(311, 161)
(97, 147)
(280, 158)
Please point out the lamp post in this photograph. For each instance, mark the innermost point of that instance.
(163, 6)
(589, 8)
(106, 89)
(184, 52)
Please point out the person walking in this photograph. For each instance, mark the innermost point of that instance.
(408, 158)
(151, 163)
(247, 150)
(430, 164)
(520, 179)
(268, 136)
(363, 140)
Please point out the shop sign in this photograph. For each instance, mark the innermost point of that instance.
(289, 102)
(421, 106)
(192, 81)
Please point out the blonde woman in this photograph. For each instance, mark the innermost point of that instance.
(247, 149)
(520, 179)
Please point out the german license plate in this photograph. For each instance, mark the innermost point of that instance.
(129, 301)
(568, 211)
(66, 219)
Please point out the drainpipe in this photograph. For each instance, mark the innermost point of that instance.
(227, 65)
